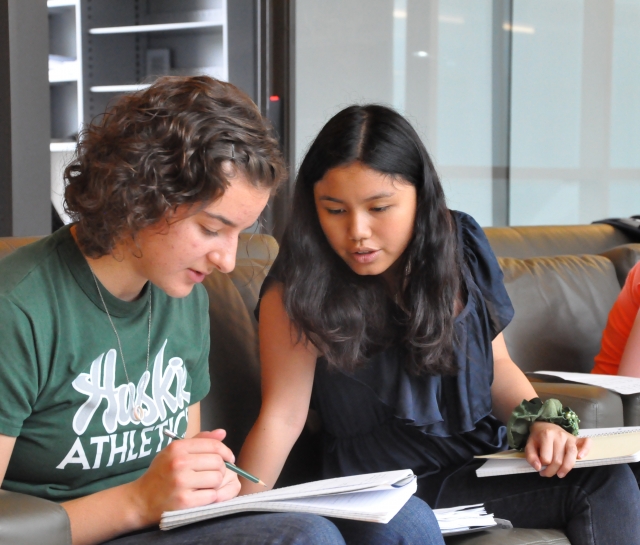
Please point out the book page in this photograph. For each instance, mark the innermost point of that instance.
(333, 490)
(381, 505)
(594, 432)
(615, 383)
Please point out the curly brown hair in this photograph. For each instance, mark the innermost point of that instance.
(166, 146)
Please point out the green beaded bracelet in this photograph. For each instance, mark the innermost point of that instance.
(528, 412)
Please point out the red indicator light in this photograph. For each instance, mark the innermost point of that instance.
(274, 98)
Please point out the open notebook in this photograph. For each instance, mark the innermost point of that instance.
(374, 497)
(608, 446)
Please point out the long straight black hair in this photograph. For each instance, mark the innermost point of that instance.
(349, 317)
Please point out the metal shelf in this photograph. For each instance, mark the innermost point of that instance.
(156, 28)
(51, 4)
(62, 146)
(118, 88)
(66, 73)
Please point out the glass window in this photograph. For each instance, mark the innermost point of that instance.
(531, 114)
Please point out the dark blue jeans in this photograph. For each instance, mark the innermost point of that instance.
(594, 506)
(415, 524)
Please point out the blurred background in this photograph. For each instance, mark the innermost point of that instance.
(529, 108)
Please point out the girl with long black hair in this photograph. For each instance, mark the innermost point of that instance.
(385, 311)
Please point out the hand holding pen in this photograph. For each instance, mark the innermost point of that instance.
(185, 474)
(229, 465)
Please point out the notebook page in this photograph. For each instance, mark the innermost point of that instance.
(340, 485)
(615, 383)
(374, 506)
(383, 504)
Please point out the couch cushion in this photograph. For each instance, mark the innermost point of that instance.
(561, 307)
(537, 241)
(233, 402)
(9, 244)
(25, 520)
(596, 407)
(623, 258)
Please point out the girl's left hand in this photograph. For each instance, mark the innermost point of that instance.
(549, 445)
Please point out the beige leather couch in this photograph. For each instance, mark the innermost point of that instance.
(554, 297)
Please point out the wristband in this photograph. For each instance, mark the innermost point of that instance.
(528, 412)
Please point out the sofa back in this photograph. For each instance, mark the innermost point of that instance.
(556, 240)
(9, 244)
(561, 307)
(551, 240)
(562, 280)
(234, 399)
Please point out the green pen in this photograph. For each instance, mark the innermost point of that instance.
(229, 465)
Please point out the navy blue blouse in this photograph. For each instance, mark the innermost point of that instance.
(381, 417)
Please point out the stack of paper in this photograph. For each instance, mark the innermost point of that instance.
(467, 518)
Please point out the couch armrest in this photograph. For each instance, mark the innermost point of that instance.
(596, 407)
(512, 536)
(623, 257)
(25, 520)
(631, 409)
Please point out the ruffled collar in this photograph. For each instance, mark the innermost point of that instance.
(447, 405)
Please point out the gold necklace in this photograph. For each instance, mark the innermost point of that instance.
(138, 410)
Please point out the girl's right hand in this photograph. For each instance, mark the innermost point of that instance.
(552, 448)
(187, 473)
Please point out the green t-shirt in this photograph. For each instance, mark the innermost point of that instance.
(63, 391)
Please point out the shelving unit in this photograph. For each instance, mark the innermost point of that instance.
(102, 48)
(65, 87)
(65, 74)
(192, 35)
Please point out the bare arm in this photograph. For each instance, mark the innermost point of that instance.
(184, 474)
(630, 361)
(510, 385)
(6, 448)
(548, 445)
(287, 378)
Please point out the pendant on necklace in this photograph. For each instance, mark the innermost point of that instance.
(138, 413)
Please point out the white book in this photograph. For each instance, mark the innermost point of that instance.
(373, 497)
(609, 446)
(615, 383)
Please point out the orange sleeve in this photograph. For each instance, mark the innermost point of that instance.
(619, 323)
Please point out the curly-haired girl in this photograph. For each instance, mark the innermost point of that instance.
(105, 324)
